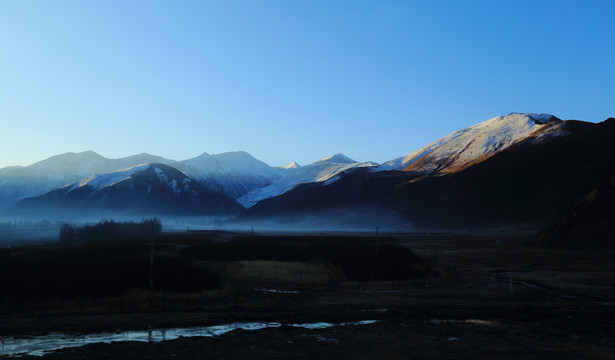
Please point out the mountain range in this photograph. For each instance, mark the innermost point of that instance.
(234, 174)
(142, 190)
(513, 168)
(231, 173)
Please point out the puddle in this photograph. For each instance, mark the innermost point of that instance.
(324, 325)
(466, 321)
(278, 291)
(384, 291)
(376, 310)
(39, 345)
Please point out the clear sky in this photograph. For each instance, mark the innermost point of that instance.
(290, 80)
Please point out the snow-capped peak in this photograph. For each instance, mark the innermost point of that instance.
(291, 165)
(338, 158)
(479, 141)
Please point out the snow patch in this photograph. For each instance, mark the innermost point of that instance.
(171, 183)
(100, 181)
(319, 171)
(291, 165)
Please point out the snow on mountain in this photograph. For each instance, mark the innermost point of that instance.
(324, 170)
(338, 159)
(233, 173)
(165, 175)
(99, 181)
(291, 165)
(475, 143)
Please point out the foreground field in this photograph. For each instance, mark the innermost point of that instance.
(484, 296)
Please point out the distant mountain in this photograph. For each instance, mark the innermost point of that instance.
(233, 173)
(531, 181)
(325, 170)
(477, 143)
(17, 182)
(144, 190)
(336, 159)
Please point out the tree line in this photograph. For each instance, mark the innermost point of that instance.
(109, 230)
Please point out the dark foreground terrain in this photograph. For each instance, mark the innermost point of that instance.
(454, 296)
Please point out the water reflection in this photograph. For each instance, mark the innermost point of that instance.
(39, 345)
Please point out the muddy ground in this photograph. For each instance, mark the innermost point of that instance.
(496, 297)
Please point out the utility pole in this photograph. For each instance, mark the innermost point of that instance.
(377, 241)
(511, 283)
(151, 259)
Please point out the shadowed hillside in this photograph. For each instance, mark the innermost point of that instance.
(589, 222)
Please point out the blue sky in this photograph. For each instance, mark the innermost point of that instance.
(290, 80)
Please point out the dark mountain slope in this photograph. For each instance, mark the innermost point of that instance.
(589, 222)
(529, 182)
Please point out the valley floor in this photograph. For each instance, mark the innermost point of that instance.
(496, 298)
